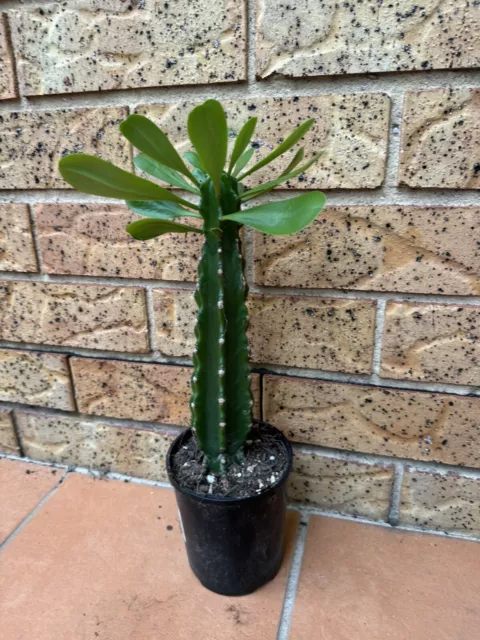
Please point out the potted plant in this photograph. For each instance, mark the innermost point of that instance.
(229, 471)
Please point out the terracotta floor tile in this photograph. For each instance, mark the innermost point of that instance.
(105, 559)
(362, 582)
(22, 486)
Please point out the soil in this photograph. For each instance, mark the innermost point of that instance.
(265, 461)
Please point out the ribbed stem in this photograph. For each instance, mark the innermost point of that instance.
(238, 397)
(208, 398)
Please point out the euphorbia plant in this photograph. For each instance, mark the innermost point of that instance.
(221, 401)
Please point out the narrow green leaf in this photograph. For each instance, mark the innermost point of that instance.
(243, 160)
(287, 144)
(160, 171)
(297, 158)
(148, 138)
(284, 217)
(207, 129)
(268, 186)
(159, 210)
(194, 159)
(98, 177)
(148, 228)
(241, 143)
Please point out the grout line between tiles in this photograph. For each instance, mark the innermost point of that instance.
(32, 513)
(293, 579)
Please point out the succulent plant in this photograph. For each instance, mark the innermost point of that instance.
(221, 401)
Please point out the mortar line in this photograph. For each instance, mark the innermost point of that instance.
(18, 434)
(378, 338)
(375, 459)
(275, 86)
(73, 388)
(152, 334)
(395, 496)
(250, 42)
(99, 420)
(10, 53)
(35, 237)
(381, 196)
(293, 579)
(371, 459)
(32, 513)
(397, 97)
(321, 293)
(277, 370)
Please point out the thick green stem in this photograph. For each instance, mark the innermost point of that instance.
(208, 380)
(238, 397)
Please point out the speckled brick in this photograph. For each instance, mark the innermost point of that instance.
(106, 448)
(311, 332)
(408, 424)
(149, 392)
(345, 487)
(8, 438)
(17, 252)
(352, 130)
(34, 141)
(88, 316)
(438, 343)
(40, 379)
(311, 38)
(7, 72)
(385, 248)
(441, 139)
(91, 240)
(443, 502)
(89, 45)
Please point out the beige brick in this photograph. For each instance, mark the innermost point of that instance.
(7, 72)
(16, 243)
(407, 424)
(91, 240)
(352, 129)
(432, 342)
(8, 438)
(106, 448)
(349, 488)
(40, 379)
(149, 392)
(34, 141)
(295, 331)
(311, 38)
(386, 248)
(92, 45)
(440, 139)
(88, 316)
(447, 502)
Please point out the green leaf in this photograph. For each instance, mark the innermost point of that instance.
(160, 171)
(287, 144)
(159, 210)
(207, 129)
(241, 143)
(100, 178)
(297, 158)
(194, 159)
(147, 137)
(284, 217)
(243, 160)
(148, 228)
(268, 186)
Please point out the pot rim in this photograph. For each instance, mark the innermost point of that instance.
(182, 437)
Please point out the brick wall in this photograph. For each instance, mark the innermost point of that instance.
(365, 327)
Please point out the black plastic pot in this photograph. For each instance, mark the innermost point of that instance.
(234, 545)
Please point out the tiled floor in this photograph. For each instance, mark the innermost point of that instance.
(87, 559)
